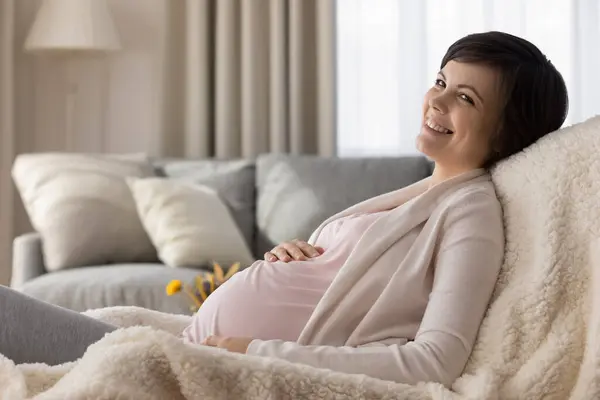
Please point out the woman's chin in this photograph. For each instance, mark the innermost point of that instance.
(427, 146)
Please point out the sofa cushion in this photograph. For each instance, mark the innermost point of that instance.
(233, 180)
(188, 223)
(141, 285)
(297, 193)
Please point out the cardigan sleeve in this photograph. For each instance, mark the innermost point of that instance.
(466, 267)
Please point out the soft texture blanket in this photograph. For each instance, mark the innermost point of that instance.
(540, 338)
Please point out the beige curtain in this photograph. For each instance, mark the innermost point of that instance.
(7, 137)
(246, 77)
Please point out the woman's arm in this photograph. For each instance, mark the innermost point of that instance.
(466, 268)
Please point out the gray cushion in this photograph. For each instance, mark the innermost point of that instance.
(297, 193)
(141, 285)
(234, 180)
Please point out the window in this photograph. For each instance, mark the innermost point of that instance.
(389, 52)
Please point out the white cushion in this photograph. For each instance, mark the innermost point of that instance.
(82, 207)
(188, 223)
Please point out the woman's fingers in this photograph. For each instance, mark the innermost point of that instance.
(297, 250)
(294, 250)
(320, 249)
(307, 249)
(211, 341)
(282, 254)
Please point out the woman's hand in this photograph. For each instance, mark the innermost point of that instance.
(232, 344)
(297, 250)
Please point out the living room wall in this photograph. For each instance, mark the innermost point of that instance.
(133, 80)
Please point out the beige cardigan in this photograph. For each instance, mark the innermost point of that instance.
(407, 304)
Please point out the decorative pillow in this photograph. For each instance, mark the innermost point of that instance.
(81, 206)
(234, 181)
(189, 224)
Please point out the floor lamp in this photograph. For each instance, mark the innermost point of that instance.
(71, 28)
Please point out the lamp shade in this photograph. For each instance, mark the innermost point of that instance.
(73, 25)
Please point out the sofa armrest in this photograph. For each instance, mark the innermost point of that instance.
(28, 259)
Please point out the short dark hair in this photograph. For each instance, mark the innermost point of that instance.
(535, 95)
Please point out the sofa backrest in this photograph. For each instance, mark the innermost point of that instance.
(296, 193)
(280, 197)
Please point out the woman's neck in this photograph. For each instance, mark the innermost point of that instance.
(441, 174)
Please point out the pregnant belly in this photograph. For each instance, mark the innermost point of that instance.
(266, 301)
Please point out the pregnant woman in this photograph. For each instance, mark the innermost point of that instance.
(395, 287)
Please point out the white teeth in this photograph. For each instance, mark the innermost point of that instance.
(436, 127)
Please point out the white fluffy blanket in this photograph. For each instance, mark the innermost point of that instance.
(539, 340)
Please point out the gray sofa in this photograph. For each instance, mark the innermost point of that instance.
(272, 198)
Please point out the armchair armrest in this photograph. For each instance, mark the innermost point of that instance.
(28, 259)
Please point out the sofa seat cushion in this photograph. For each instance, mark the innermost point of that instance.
(141, 285)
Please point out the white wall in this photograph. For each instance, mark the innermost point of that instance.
(130, 118)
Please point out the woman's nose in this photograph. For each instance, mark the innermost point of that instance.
(438, 103)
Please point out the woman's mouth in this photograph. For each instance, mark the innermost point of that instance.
(437, 127)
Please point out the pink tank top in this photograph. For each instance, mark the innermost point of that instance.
(274, 300)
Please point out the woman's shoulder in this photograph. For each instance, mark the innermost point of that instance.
(478, 196)
(480, 187)
(471, 185)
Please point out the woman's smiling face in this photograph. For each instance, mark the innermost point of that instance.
(461, 112)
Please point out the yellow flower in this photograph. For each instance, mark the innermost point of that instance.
(191, 295)
(200, 287)
(220, 278)
(174, 287)
(232, 270)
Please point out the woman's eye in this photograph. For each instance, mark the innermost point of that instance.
(440, 83)
(467, 99)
